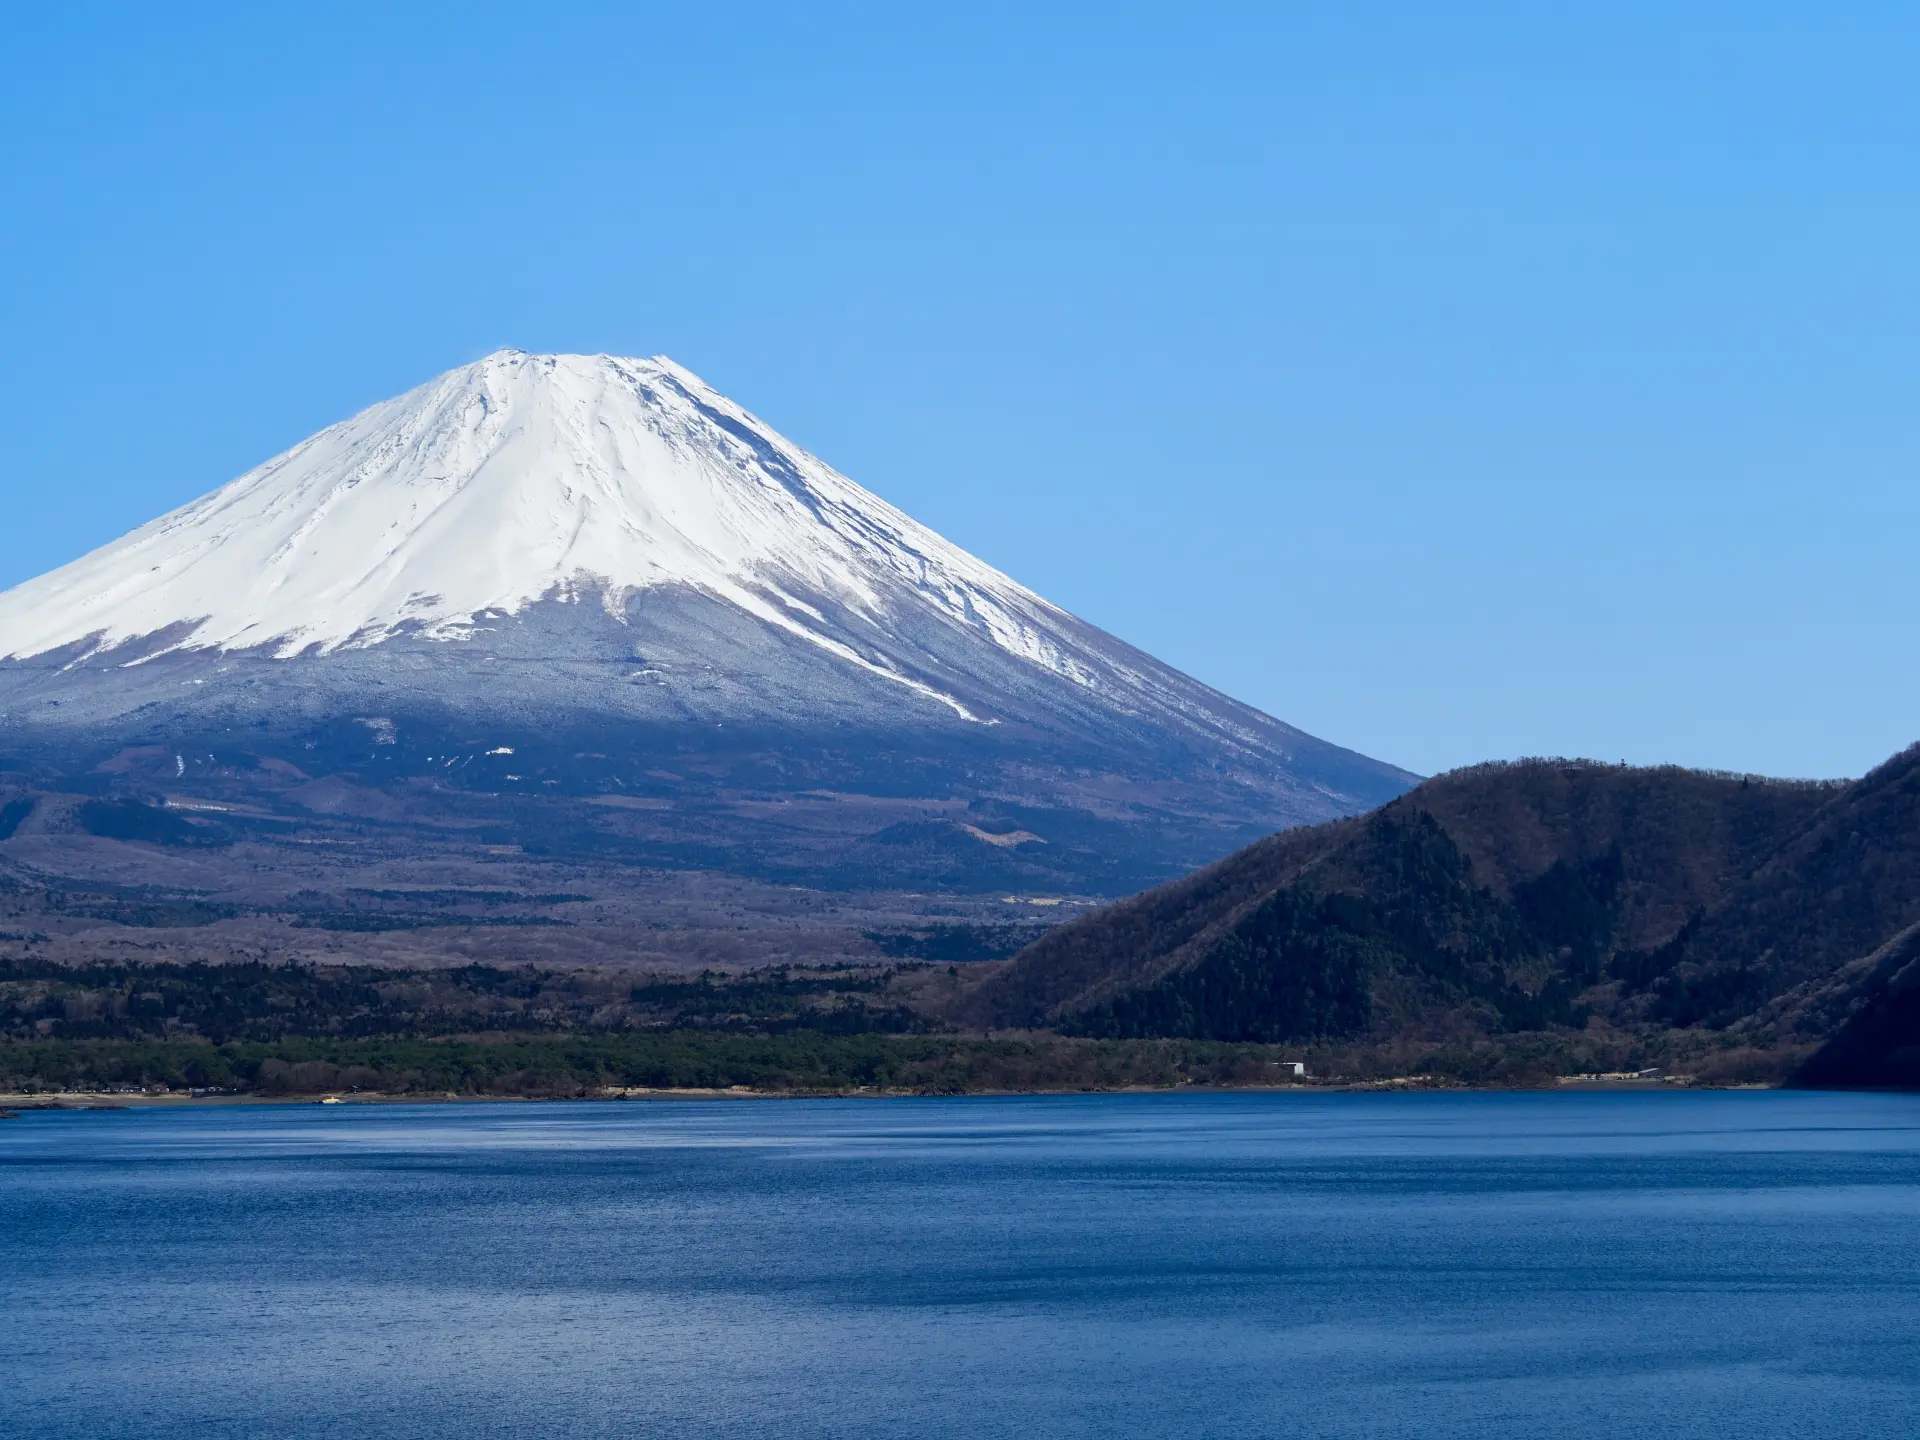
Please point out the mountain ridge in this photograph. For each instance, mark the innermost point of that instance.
(1662, 908)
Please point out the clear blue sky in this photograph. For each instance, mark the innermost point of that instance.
(1454, 381)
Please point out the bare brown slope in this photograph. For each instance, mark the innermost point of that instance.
(1684, 839)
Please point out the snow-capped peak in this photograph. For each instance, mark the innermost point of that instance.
(508, 481)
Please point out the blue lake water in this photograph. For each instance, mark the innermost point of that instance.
(1286, 1265)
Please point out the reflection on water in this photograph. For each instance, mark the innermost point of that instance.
(1661, 1264)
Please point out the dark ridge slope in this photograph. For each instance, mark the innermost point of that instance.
(1132, 941)
(1840, 888)
(1684, 835)
(1500, 898)
(1877, 1047)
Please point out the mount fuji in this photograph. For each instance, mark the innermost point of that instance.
(587, 608)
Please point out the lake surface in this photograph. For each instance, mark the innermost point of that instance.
(1287, 1265)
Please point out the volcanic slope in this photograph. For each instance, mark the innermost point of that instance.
(590, 610)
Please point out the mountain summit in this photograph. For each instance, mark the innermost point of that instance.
(524, 478)
(566, 577)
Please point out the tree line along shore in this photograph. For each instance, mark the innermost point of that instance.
(485, 1031)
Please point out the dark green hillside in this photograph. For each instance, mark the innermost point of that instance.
(1685, 836)
(1877, 1044)
(1840, 888)
(131, 820)
(1102, 952)
(1501, 900)
(1311, 963)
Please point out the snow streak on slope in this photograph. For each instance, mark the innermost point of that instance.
(512, 480)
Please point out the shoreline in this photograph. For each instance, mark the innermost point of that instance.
(105, 1100)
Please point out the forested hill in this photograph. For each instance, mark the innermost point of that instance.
(1530, 896)
(1877, 1045)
